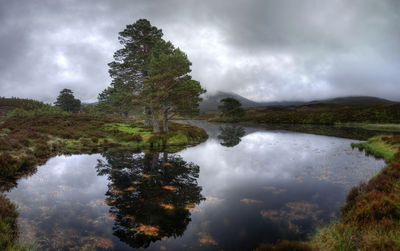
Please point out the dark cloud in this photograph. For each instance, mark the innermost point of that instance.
(265, 50)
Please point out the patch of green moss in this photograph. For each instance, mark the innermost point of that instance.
(145, 133)
(378, 147)
(4, 132)
(178, 139)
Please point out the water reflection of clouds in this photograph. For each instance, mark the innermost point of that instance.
(67, 177)
(64, 193)
(267, 155)
(273, 183)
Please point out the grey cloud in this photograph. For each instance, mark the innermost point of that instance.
(333, 48)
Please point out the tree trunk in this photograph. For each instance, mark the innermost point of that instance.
(165, 121)
(147, 114)
(156, 125)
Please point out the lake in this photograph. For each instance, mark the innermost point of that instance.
(241, 187)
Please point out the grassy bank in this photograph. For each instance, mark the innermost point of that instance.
(371, 216)
(31, 132)
(28, 140)
(380, 146)
(8, 226)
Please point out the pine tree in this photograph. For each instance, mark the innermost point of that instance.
(67, 102)
(151, 72)
(130, 67)
(169, 89)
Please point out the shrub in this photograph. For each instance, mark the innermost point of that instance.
(8, 223)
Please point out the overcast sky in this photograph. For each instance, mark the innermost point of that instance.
(264, 50)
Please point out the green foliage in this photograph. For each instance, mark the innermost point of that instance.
(67, 102)
(326, 114)
(169, 86)
(231, 108)
(130, 63)
(150, 72)
(118, 98)
(26, 104)
(46, 110)
(130, 67)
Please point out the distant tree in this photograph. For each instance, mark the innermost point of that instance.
(231, 108)
(67, 102)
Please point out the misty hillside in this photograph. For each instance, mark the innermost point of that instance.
(353, 100)
(211, 102)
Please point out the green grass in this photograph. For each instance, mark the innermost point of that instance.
(375, 127)
(345, 237)
(178, 139)
(145, 133)
(379, 148)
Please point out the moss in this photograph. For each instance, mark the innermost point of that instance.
(378, 147)
(178, 139)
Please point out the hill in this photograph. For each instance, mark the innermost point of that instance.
(211, 102)
(353, 100)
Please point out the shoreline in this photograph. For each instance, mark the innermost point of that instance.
(357, 226)
(29, 141)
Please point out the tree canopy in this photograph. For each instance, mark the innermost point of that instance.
(169, 89)
(231, 108)
(67, 102)
(150, 72)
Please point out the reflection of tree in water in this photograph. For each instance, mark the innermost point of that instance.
(150, 196)
(231, 135)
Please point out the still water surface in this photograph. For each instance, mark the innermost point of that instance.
(239, 188)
